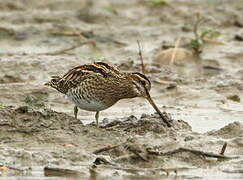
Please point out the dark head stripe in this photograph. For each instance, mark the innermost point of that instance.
(95, 69)
(107, 66)
(142, 76)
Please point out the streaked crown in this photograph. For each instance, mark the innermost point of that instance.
(141, 84)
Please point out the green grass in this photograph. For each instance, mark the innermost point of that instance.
(1, 105)
(210, 33)
(196, 43)
(156, 3)
(112, 10)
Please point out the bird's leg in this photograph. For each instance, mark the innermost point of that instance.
(75, 110)
(97, 118)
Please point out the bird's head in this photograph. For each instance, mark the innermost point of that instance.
(141, 88)
(141, 84)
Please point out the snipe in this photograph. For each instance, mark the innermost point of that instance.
(98, 86)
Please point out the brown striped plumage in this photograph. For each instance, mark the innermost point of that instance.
(97, 86)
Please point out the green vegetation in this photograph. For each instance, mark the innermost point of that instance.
(156, 3)
(201, 36)
(210, 34)
(235, 98)
(32, 100)
(1, 105)
(112, 10)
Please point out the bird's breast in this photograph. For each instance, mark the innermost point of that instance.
(86, 102)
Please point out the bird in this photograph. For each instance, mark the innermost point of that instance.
(98, 86)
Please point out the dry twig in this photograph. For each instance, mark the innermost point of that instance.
(10, 167)
(175, 50)
(136, 151)
(65, 50)
(9, 31)
(86, 35)
(141, 57)
(107, 148)
(223, 149)
(196, 152)
(82, 34)
(54, 53)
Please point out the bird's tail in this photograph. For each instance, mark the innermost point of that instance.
(55, 83)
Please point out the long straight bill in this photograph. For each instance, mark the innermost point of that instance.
(165, 119)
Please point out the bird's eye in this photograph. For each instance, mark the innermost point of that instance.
(143, 83)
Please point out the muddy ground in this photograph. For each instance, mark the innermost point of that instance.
(201, 92)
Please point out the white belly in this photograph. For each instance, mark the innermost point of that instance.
(90, 105)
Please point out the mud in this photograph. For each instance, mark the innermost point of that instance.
(201, 93)
(34, 139)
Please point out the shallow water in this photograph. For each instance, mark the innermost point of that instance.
(194, 174)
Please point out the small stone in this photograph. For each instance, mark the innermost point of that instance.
(238, 23)
(188, 138)
(132, 117)
(239, 37)
(171, 86)
(144, 116)
(22, 109)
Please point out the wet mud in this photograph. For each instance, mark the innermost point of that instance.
(198, 82)
(47, 141)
